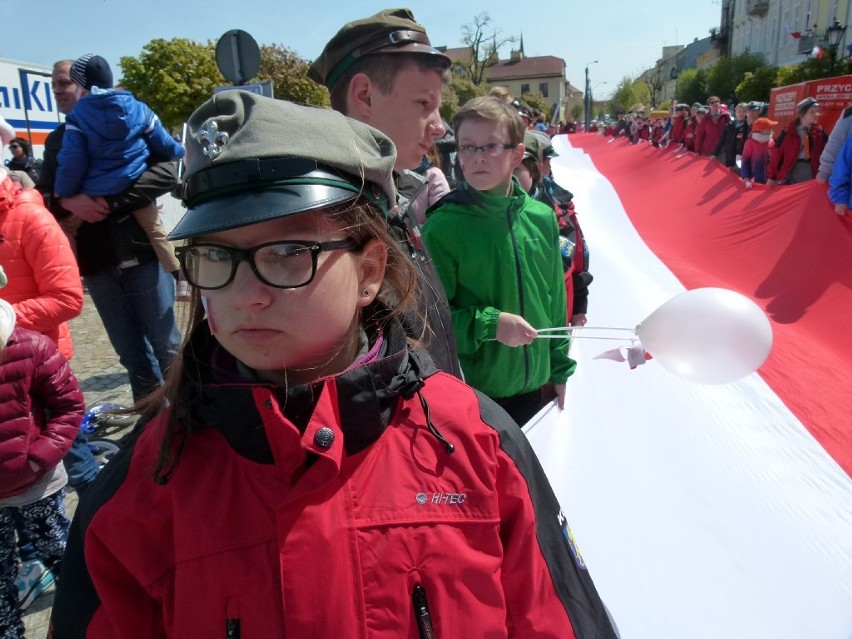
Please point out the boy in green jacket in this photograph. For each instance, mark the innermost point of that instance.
(496, 251)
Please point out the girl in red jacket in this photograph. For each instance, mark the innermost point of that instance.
(795, 156)
(314, 474)
(41, 408)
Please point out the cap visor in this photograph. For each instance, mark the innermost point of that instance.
(413, 47)
(251, 207)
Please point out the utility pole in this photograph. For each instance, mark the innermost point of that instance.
(587, 99)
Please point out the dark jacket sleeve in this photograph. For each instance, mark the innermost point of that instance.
(77, 609)
(535, 532)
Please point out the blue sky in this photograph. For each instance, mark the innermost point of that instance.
(625, 37)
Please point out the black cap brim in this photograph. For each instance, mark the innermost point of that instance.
(251, 207)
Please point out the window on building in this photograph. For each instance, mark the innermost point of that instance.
(542, 87)
(525, 88)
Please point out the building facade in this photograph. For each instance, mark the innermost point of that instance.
(520, 74)
(782, 31)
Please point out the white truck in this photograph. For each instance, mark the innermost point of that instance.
(26, 102)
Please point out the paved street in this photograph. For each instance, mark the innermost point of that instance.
(103, 380)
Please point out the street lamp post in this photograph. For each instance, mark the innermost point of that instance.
(587, 99)
(834, 35)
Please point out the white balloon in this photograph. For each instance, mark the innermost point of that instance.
(708, 335)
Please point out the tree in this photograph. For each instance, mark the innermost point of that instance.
(538, 102)
(653, 84)
(691, 86)
(725, 76)
(643, 93)
(483, 44)
(810, 69)
(289, 75)
(456, 93)
(624, 97)
(576, 111)
(756, 85)
(449, 103)
(172, 76)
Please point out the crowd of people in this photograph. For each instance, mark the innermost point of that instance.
(746, 141)
(342, 416)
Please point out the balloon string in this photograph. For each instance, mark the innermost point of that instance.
(616, 339)
(569, 329)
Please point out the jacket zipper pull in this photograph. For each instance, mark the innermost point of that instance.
(421, 613)
(232, 629)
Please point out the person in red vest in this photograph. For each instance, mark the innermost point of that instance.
(711, 127)
(795, 157)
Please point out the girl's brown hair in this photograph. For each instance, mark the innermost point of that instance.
(397, 297)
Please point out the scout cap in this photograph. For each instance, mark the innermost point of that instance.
(754, 106)
(250, 159)
(389, 31)
(539, 146)
(803, 106)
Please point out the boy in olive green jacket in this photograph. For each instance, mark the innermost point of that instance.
(496, 251)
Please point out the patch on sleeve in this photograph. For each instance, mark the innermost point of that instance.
(569, 539)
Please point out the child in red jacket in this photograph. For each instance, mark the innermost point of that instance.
(41, 408)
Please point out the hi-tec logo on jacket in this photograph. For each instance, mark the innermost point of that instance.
(453, 499)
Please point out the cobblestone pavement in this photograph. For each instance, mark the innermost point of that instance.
(102, 380)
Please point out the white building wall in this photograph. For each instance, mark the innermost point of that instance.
(768, 35)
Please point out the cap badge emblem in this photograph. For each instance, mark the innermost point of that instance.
(211, 139)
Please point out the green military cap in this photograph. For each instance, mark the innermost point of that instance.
(250, 159)
(539, 146)
(389, 31)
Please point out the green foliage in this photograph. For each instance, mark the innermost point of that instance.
(642, 93)
(289, 75)
(538, 102)
(172, 76)
(691, 86)
(724, 76)
(175, 76)
(456, 93)
(810, 69)
(449, 103)
(757, 84)
(624, 97)
(576, 111)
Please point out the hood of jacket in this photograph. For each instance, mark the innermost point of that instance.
(482, 203)
(222, 397)
(114, 114)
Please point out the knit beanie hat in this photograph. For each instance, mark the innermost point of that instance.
(7, 322)
(91, 70)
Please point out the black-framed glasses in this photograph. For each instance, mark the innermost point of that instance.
(493, 149)
(14, 145)
(289, 264)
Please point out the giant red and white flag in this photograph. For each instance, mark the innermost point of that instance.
(709, 511)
